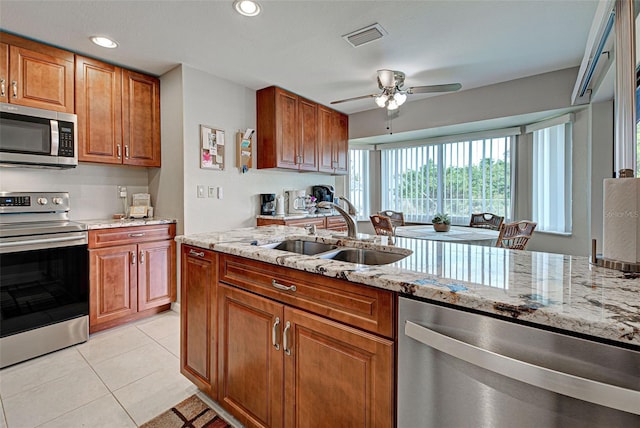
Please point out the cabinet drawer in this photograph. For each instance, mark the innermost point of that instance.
(130, 235)
(336, 223)
(303, 222)
(368, 308)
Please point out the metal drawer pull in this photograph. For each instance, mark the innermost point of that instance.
(133, 257)
(126, 151)
(2, 87)
(118, 151)
(136, 235)
(196, 253)
(588, 390)
(14, 85)
(282, 287)
(274, 334)
(285, 342)
(141, 257)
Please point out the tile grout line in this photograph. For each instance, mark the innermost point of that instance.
(4, 415)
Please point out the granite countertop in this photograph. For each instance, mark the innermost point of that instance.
(297, 216)
(125, 222)
(554, 290)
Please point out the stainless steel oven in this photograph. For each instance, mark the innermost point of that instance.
(37, 138)
(44, 279)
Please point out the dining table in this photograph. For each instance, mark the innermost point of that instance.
(456, 234)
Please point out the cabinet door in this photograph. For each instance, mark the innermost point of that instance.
(250, 383)
(336, 375)
(287, 130)
(308, 131)
(112, 281)
(141, 119)
(99, 110)
(198, 315)
(341, 143)
(4, 73)
(39, 79)
(325, 139)
(156, 274)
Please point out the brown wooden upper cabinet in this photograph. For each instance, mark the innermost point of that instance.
(292, 134)
(118, 114)
(35, 75)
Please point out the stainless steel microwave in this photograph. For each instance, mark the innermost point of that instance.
(37, 138)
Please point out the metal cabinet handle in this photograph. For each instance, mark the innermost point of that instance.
(196, 253)
(2, 87)
(136, 235)
(14, 85)
(126, 151)
(285, 342)
(577, 387)
(133, 257)
(282, 287)
(274, 334)
(141, 257)
(118, 151)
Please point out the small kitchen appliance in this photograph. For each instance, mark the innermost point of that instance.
(323, 193)
(296, 202)
(267, 204)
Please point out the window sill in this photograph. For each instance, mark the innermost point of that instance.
(544, 232)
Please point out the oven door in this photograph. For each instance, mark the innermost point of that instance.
(43, 280)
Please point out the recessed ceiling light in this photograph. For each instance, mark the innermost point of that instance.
(105, 42)
(246, 7)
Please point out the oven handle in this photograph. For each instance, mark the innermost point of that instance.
(577, 387)
(44, 241)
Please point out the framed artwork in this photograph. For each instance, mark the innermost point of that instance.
(211, 147)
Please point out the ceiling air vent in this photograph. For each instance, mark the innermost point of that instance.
(365, 35)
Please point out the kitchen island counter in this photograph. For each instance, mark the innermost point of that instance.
(542, 289)
(125, 222)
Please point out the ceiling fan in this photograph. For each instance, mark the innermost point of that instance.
(393, 95)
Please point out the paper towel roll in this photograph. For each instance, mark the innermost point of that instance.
(621, 233)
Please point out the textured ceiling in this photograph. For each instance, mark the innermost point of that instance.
(298, 44)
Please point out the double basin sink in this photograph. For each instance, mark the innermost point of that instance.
(364, 256)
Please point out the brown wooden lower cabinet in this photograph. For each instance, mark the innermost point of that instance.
(330, 222)
(132, 274)
(278, 364)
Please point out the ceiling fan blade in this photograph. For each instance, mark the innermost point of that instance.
(354, 98)
(451, 87)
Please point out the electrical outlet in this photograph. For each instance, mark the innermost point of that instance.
(212, 191)
(122, 191)
(200, 191)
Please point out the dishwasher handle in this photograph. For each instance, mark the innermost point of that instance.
(577, 387)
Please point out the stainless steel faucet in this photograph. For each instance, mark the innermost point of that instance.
(352, 227)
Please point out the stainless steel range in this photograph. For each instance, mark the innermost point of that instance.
(44, 279)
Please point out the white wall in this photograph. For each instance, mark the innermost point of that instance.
(212, 101)
(92, 188)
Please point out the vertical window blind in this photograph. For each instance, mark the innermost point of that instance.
(359, 187)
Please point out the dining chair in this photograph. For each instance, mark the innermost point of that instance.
(382, 225)
(397, 217)
(486, 221)
(516, 235)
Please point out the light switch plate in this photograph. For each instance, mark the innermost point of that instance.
(200, 191)
(220, 194)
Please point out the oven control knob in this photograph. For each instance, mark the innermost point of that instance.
(57, 201)
(42, 201)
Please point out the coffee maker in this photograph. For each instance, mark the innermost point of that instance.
(268, 204)
(322, 193)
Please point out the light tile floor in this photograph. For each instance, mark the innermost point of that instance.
(118, 378)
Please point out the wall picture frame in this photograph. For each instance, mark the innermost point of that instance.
(212, 148)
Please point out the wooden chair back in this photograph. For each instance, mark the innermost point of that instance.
(397, 217)
(382, 225)
(486, 221)
(515, 235)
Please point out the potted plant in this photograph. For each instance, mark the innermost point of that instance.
(441, 222)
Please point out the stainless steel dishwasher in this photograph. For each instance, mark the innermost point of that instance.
(460, 369)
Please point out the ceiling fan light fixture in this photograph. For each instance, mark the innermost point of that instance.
(400, 98)
(247, 7)
(392, 104)
(381, 100)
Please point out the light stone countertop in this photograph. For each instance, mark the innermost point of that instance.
(545, 289)
(126, 222)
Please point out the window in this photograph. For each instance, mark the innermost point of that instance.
(459, 178)
(551, 175)
(359, 181)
